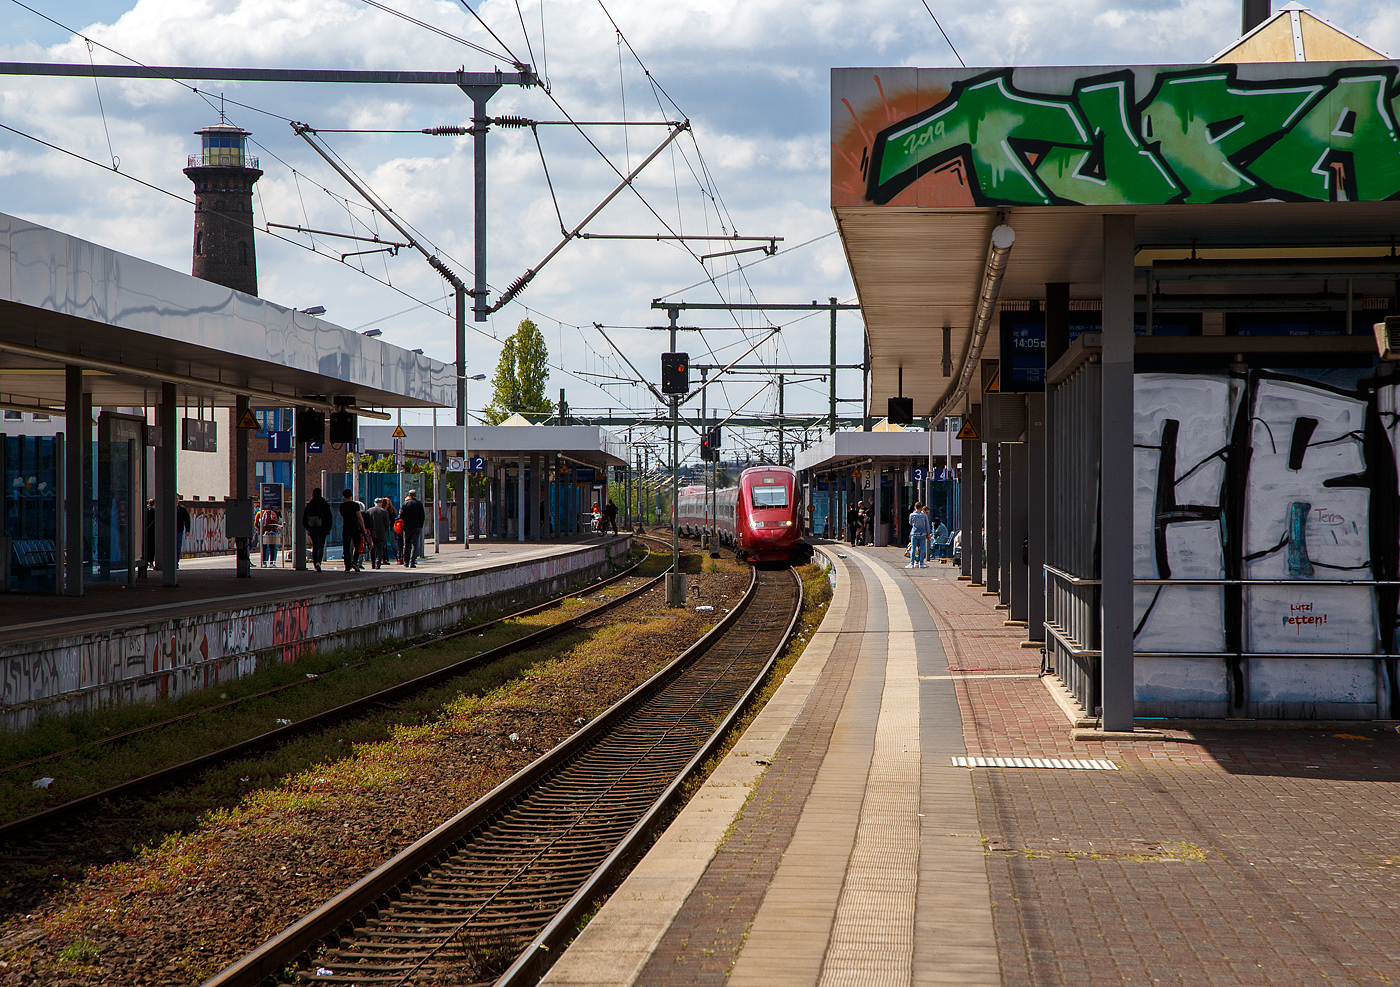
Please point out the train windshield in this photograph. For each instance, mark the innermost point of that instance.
(774, 496)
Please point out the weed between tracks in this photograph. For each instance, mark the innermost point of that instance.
(297, 826)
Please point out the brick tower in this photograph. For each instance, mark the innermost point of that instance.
(223, 177)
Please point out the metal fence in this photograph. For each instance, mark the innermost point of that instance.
(1072, 537)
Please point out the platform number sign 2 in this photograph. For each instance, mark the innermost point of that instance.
(478, 464)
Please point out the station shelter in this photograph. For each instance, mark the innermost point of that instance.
(97, 336)
(890, 470)
(1149, 292)
(562, 469)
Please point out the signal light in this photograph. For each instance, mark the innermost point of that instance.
(675, 373)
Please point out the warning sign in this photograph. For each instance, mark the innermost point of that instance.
(967, 433)
(249, 421)
(398, 433)
(993, 386)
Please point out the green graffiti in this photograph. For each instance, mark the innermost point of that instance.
(1199, 136)
(1202, 122)
(1344, 148)
(1117, 169)
(981, 121)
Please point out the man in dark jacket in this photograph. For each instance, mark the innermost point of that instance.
(317, 519)
(413, 517)
(380, 522)
(351, 529)
(610, 517)
(852, 520)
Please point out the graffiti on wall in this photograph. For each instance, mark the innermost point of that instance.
(291, 630)
(1196, 135)
(1286, 481)
(206, 536)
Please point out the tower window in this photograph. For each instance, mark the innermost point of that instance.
(199, 244)
(242, 253)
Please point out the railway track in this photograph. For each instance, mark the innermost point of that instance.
(503, 885)
(68, 811)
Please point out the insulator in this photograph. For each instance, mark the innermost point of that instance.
(448, 131)
(513, 122)
(519, 283)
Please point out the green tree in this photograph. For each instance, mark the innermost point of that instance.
(521, 375)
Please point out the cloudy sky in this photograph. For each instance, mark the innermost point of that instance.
(750, 75)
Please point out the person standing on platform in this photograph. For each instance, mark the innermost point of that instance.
(940, 539)
(610, 517)
(852, 520)
(380, 525)
(918, 538)
(269, 524)
(317, 519)
(413, 518)
(182, 526)
(352, 529)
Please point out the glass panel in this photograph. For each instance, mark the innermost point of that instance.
(112, 514)
(774, 496)
(30, 512)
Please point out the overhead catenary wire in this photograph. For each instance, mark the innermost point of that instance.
(943, 32)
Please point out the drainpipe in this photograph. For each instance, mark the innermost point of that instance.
(1002, 239)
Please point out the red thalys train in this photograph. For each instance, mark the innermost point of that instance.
(760, 518)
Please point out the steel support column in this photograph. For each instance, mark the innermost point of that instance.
(463, 486)
(972, 520)
(1036, 448)
(1116, 474)
(1010, 545)
(536, 497)
(992, 519)
(239, 438)
(298, 530)
(78, 433)
(520, 499)
(1016, 542)
(877, 473)
(167, 493)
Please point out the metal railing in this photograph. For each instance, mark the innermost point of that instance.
(225, 157)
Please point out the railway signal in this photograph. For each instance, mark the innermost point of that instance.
(675, 373)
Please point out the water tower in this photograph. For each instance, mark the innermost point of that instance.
(223, 176)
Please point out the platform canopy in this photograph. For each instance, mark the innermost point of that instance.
(132, 326)
(1281, 160)
(586, 445)
(844, 449)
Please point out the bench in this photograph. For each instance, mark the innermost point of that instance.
(34, 554)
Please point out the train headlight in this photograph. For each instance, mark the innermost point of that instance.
(787, 524)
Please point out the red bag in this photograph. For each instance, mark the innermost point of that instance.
(398, 526)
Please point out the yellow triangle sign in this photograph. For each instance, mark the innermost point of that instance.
(967, 433)
(993, 386)
(399, 433)
(249, 421)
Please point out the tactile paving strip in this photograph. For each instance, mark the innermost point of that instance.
(1079, 763)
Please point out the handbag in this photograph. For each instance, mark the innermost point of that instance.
(398, 526)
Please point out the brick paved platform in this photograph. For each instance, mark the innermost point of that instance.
(860, 856)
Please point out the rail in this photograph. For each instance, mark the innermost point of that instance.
(185, 769)
(678, 691)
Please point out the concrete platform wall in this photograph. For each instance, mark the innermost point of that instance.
(144, 660)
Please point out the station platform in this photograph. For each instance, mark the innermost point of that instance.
(124, 642)
(842, 841)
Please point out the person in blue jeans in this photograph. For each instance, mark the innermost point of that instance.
(918, 537)
(413, 517)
